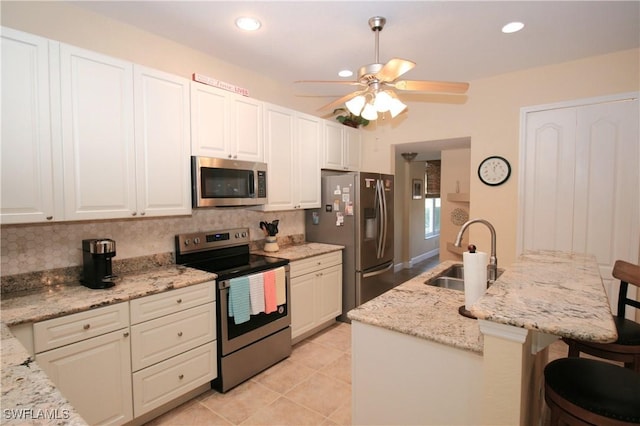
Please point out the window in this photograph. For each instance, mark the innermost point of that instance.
(432, 199)
(431, 217)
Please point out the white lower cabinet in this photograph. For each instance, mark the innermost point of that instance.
(93, 373)
(121, 361)
(316, 293)
(173, 347)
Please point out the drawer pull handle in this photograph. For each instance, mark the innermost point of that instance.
(179, 333)
(86, 326)
(181, 376)
(179, 300)
(126, 334)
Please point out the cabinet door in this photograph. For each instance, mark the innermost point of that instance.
(210, 121)
(246, 128)
(329, 293)
(95, 376)
(333, 146)
(352, 142)
(279, 137)
(307, 147)
(302, 304)
(97, 135)
(162, 130)
(27, 173)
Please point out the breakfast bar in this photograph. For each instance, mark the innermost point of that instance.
(494, 364)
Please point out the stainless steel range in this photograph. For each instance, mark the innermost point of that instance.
(247, 346)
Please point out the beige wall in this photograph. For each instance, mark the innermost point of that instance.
(491, 117)
(454, 174)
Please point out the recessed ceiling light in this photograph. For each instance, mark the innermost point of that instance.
(345, 73)
(248, 24)
(512, 27)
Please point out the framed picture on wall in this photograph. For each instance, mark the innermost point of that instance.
(417, 189)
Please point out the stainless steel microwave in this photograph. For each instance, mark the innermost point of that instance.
(217, 182)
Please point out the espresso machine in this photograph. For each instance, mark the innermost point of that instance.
(96, 259)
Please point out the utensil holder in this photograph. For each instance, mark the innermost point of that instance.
(271, 244)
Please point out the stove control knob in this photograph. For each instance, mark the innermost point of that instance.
(244, 235)
(187, 242)
(237, 235)
(196, 240)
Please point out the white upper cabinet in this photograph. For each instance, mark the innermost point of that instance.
(28, 189)
(163, 143)
(341, 147)
(97, 135)
(225, 125)
(292, 144)
(308, 152)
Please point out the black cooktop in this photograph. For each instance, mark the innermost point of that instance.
(227, 268)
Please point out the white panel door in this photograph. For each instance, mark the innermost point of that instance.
(279, 131)
(333, 146)
(581, 184)
(97, 135)
(246, 128)
(27, 174)
(307, 146)
(163, 144)
(210, 131)
(352, 143)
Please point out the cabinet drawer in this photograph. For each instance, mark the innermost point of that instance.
(156, 340)
(172, 378)
(150, 307)
(73, 328)
(315, 263)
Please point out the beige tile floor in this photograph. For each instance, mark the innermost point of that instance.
(311, 387)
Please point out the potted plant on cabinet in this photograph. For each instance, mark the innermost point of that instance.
(347, 118)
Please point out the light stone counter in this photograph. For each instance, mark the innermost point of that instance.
(301, 251)
(552, 292)
(423, 311)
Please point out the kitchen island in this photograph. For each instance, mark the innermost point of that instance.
(417, 361)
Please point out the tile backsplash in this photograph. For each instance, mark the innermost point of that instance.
(30, 248)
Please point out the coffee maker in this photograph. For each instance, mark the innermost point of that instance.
(96, 259)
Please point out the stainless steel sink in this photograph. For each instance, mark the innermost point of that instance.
(452, 278)
(447, 282)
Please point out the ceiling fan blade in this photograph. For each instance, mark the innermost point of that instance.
(339, 101)
(394, 69)
(352, 83)
(432, 86)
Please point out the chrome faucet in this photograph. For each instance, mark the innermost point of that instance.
(493, 261)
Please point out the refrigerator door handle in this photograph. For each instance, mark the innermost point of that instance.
(382, 216)
(378, 271)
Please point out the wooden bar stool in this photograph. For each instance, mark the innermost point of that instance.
(627, 348)
(581, 391)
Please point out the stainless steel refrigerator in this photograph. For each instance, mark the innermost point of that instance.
(357, 212)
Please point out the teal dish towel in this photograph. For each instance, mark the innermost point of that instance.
(239, 301)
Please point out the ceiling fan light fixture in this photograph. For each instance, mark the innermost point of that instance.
(355, 105)
(396, 107)
(248, 24)
(369, 112)
(382, 101)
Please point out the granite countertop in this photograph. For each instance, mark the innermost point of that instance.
(554, 292)
(64, 299)
(28, 396)
(423, 311)
(301, 251)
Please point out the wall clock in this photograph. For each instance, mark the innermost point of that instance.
(494, 170)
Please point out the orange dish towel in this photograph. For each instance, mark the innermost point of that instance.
(281, 287)
(270, 292)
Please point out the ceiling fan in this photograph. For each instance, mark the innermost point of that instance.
(377, 81)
